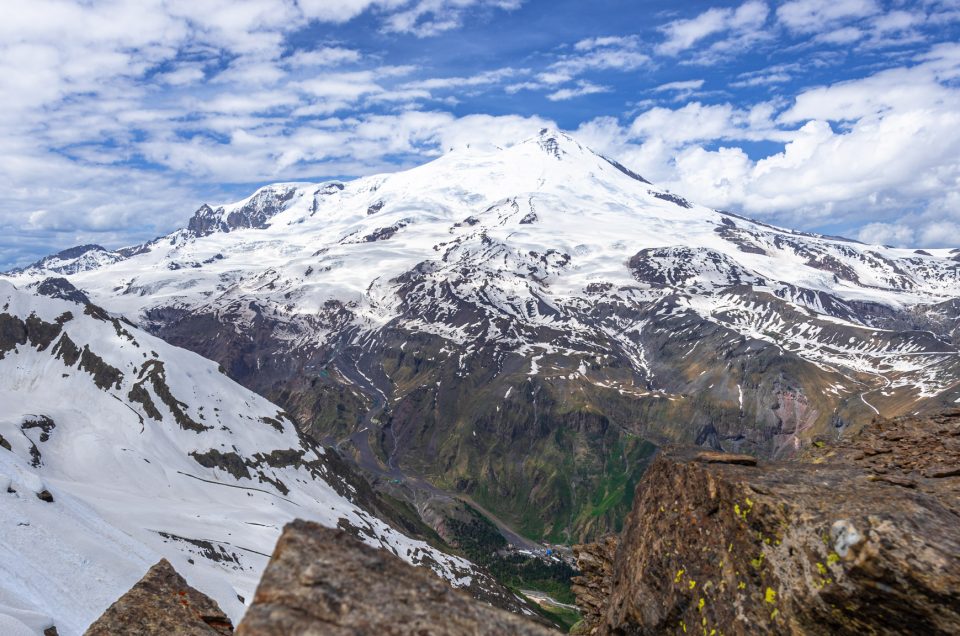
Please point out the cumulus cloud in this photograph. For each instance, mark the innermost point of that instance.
(882, 147)
(913, 230)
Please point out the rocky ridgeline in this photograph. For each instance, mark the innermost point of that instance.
(319, 581)
(860, 537)
(162, 603)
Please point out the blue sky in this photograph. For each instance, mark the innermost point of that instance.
(122, 116)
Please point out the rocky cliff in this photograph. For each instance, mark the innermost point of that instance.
(856, 537)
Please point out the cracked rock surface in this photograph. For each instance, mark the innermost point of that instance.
(858, 537)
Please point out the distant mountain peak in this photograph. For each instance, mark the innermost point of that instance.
(253, 212)
(557, 144)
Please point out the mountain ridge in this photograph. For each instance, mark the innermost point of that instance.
(116, 448)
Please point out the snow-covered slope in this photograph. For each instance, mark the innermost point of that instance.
(550, 281)
(117, 448)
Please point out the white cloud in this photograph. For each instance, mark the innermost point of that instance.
(811, 16)
(684, 85)
(480, 79)
(927, 229)
(334, 10)
(774, 75)
(597, 54)
(878, 148)
(681, 35)
(887, 234)
(590, 44)
(325, 56)
(610, 53)
(699, 122)
(898, 89)
(183, 75)
(843, 35)
(897, 21)
(424, 18)
(582, 88)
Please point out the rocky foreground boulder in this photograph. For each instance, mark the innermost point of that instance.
(324, 581)
(163, 604)
(319, 581)
(857, 537)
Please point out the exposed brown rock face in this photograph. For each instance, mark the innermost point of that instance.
(323, 581)
(913, 449)
(592, 587)
(162, 604)
(858, 538)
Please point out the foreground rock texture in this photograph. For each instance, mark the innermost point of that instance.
(161, 604)
(323, 581)
(861, 537)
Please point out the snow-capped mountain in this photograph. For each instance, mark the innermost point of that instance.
(521, 320)
(117, 448)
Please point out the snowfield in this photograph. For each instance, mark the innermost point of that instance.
(125, 488)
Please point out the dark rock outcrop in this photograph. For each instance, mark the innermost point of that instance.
(323, 581)
(59, 287)
(161, 604)
(255, 213)
(861, 537)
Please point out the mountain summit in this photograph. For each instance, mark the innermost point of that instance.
(523, 325)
